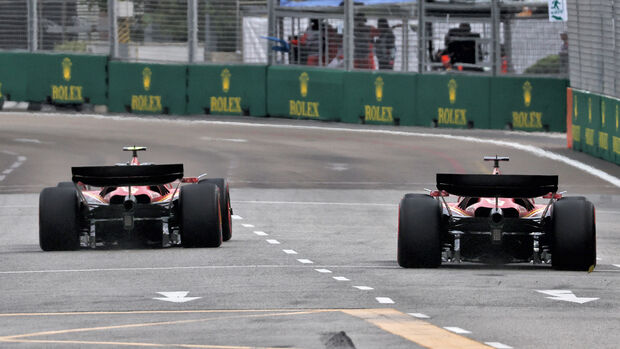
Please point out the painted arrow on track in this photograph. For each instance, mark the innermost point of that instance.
(176, 297)
(566, 295)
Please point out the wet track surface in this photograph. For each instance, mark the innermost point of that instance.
(313, 252)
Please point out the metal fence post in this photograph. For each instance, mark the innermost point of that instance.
(348, 44)
(192, 29)
(113, 31)
(405, 46)
(495, 39)
(271, 29)
(421, 36)
(33, 26)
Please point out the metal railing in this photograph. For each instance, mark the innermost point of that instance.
(477, 37)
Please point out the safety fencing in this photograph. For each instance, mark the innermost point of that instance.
(372, 97)
(593, 124)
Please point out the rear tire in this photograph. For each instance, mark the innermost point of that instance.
(66, 185)
(225, 207)
(201, 221)
(59, 220)
(419, 232)
(573, 240)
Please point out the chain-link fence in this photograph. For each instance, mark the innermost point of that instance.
(480, 37)
(594, 40)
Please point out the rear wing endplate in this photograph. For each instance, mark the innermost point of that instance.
(121, 176)
(487, 185)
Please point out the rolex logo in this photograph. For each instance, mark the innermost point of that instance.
(146, 78)
(303, 84)
(66, 69)
(527, 93)
(452, 85)
(225, 80)
(379, 89)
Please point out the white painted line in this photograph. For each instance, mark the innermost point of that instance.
(245, 225)
(234, 140)
(273, 242)
(260, 233)
(599, 259)
(2, 177)
(289, 251)
(176, 297)
(7, 171)
(16, 164)
(340, 278)
(384, 300)
(457, 330)
(420, 315)
(324, 271)
(566, 296)
(8, 152)
(364, 288)
(305, 261)
(616, 265)
(236, 217)
(27, 140)
(498, 345)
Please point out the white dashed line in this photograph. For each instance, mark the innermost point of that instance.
(364, 288)
(305, 261)
(2, 177)
(7, 171)
(324, 271)
(498, 345)
(289, 251)
(273, 242)
(260, 233)
(236, 217)
(420, 315)
(616, 265)
(340, 278)
(457, 330)
(384, 300)
(245, 225)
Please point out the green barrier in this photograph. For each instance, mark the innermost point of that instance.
(579, 100)
(529, 104)
(54, 78)
(604, 136)
(227, 89)
(14, 75)
(308, 93)
(453, 101)
(587, 113)
(147, 88)
(379, 98)
(612, 128)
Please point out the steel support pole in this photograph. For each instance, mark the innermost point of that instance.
(495, 37)
(192, 30)
(113, 29)
(421, 36)
(405, 47)
(33, 26)
(271, 29)
(348, 44)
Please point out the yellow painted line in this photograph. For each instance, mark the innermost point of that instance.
(131, 344)
(150, 324)
(414, 330)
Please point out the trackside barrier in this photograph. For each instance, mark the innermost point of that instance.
(528, 104)
(379, 98)
(227, 89)
(595, 125)
(147, 88)
(453, 101)
(305, 93)
(54, 78)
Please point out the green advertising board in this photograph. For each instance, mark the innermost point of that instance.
(528, 104)
(604, 136)
(379, 98)
(587, 118)
(14, 70)
(147, 88)
(453, 101)
(227, 89)
(305, 92)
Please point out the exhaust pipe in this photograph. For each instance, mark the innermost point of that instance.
(130, 203)
(497, 224)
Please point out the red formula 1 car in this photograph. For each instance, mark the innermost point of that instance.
(496, 220)
(134, 204)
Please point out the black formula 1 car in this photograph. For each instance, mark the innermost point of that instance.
(134, 204)
(495, 220)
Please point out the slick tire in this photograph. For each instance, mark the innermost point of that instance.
(59, 221)
(201, 219)
(419, 232)
(65, 185)
(225, 207)
(573, 239)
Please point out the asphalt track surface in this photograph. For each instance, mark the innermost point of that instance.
(312, 261)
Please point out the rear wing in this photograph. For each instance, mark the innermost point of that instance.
(487, 185)
(121, 176)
